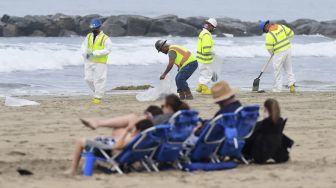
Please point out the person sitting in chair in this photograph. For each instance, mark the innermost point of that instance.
(268, 141)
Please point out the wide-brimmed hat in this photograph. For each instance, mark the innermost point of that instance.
(222, 91)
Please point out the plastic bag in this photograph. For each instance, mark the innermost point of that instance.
(15, 102)
(166, 87)
(216, 68)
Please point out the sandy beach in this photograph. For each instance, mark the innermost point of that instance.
(41, 139)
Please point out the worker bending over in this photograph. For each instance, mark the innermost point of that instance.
(279, 47)
(185, 62)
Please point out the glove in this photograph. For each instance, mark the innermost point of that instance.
(89, 55)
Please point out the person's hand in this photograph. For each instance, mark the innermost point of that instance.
(162, 77)
(89, 55)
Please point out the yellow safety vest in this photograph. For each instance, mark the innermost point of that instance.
(183, 56)
(205, 47)
(98, 44)
(278, 40)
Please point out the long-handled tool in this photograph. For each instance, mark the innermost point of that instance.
(257, 80)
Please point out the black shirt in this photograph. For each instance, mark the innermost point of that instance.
(232, 107)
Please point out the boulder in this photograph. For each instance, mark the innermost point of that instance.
(197, 22)
(5, 18)
(166, 17)
(67, 33)
(138, 26)
(232, 26)
(10, 30)
(112, 27)
(2, 25)
(327, 29)
(51, 29)
(38, 33)
(66, 23)
(171, 27)
(305, 26)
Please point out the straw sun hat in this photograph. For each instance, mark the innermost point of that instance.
(222, 91)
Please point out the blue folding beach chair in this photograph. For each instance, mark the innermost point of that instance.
(138, 150)
(181, 125)
(235, 135)
(210, 139)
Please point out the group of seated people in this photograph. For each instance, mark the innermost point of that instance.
(267, 141)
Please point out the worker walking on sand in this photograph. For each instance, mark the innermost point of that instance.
(95, 50)
(205, 56)
(279, 47)
(184, 60)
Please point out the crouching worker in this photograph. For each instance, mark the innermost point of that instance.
(268, 141)
(185, 62)
(109, 144)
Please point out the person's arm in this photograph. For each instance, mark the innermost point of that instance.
(106, 50)
(84, 47)
(270, 43)
(289, 32)
(207, 45)
(123, 141)
(172, 56)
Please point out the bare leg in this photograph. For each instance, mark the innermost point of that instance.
(114, 123)
(77, 156)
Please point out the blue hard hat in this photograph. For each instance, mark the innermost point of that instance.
(263, 24)
(95, 24)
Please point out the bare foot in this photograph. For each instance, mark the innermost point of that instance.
(89, 123)
(69, 173)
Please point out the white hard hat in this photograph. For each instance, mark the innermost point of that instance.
(212, 21)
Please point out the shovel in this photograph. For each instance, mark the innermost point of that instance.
(257, 80)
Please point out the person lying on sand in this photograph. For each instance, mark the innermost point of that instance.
(268, 141)
(155, 114)
(109, 144)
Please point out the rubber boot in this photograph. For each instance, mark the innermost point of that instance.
(182, 95)
(292, 88)
(188, 95)
(96, 101)
(205, 90)
(199, 88)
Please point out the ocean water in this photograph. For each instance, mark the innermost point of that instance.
(54, 66)
(243, 9)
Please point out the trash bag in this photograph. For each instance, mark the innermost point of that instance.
(216, 68)
(16, 102)
(166, 87)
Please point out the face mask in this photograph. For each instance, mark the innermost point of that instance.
(95, 31)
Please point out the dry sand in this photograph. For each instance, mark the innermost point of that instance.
(41, 139)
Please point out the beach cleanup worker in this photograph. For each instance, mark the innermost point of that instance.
(205, 56)
(95, 50)
(279, 47)
(185, 62)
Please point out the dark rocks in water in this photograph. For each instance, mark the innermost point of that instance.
(113, 27)
(138, 25)
(172, 27)
(135, 25)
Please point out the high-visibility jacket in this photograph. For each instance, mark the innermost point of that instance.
(277, 39)
(98, 44)
(183, 56)
(205, 47)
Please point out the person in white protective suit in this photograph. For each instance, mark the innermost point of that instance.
(95, 49)
(279, 47)
(205, 56)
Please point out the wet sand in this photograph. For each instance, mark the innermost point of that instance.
(41, 139)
